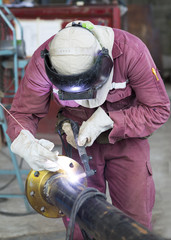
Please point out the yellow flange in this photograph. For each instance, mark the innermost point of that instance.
(35, 183)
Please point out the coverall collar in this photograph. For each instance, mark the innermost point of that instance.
(116, 51)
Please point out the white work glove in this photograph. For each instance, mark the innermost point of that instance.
(69, 134)
(37, 153)
(99, 122)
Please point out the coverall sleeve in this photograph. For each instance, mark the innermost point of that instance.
(152, 106)
(31, 102)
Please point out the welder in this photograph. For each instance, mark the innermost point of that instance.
(106, 80)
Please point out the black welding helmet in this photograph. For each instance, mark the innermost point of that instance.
(83, 85)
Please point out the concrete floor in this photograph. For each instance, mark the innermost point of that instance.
(37, 227)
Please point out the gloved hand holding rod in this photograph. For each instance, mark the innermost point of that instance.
(74, 127)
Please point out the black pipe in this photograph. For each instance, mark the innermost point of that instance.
(97, 217)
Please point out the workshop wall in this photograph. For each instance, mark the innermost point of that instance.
(161, 15)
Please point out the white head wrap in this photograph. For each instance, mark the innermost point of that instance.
(73, 50)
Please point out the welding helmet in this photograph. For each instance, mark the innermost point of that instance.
(76, 63)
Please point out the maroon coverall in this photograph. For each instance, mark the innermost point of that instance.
(137, 111)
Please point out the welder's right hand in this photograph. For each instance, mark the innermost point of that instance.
(37, 153)
(69, 134)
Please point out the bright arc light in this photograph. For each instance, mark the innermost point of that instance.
(76, 89)
(74, 178)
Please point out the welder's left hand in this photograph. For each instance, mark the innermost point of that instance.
(99, 122)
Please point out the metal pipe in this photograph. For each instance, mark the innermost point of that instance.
(100, 219)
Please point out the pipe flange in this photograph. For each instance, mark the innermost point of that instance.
(36, 181)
